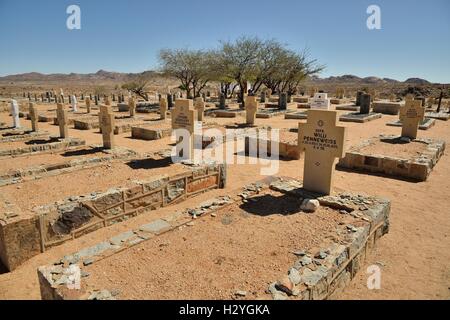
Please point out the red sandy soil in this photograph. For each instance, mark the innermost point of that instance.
(237, 257)
(414, 256)
(399, 150)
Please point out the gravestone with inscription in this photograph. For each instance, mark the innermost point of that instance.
(322, 141)
(320, 101)
(184, 117)
(411, 114)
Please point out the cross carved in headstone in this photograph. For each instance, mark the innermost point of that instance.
(323, 142)
(411, 114)
(63, 121)
(199, 105)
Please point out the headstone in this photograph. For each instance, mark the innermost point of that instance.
(107, 101)
(163, 108)
(251, 107)
(199, 105)
(114, 97)
(34, 116)
(365, 102)
(411, 114)
(320, 101)
(63, 121)
(323, 142)
(74, 104)
(15, 113)
(263, 97)
(107, 126)
(132, 106)
(358, 97)
(282, 102)
(169, 101)
(88, 104)
(96, 100)
(222, 101)
(70, 99)
(422, 99)
(312, 92)
(183, 117)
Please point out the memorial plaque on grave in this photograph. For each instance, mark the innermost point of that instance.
(323, 142)
(184, 117)
(320, 101)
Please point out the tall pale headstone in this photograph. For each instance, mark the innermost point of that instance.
(63, 121)
(184, 116)
(15, 113)
(222, 102)
(411, 114)
(251, 107)
(163, 108)
(74, 104)
(323, 142)
(34, 116)
(88, 104)
(132, 106)
(199, 105)
(107, 126)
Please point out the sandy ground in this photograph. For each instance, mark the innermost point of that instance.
(415, 255)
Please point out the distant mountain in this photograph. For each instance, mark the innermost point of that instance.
(108, 76)
(416, 81)
(100, 75)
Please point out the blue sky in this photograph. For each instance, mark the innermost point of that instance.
(125, 36)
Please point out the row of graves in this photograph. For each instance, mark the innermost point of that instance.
(212, 233)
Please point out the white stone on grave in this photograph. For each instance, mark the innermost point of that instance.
(74, 103)
(15, 113)
(320, 101)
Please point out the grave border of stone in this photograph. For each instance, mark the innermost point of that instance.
(341, 264)
(416, 168)
(425, 125)
(163, 190)
(20, 175)
(54, 145)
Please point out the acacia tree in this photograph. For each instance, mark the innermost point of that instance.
(191, 67)
(292, 69)
(138, 87)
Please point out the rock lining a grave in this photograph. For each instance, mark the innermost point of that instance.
(418, 167)
(323, 276)
(24, 236)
